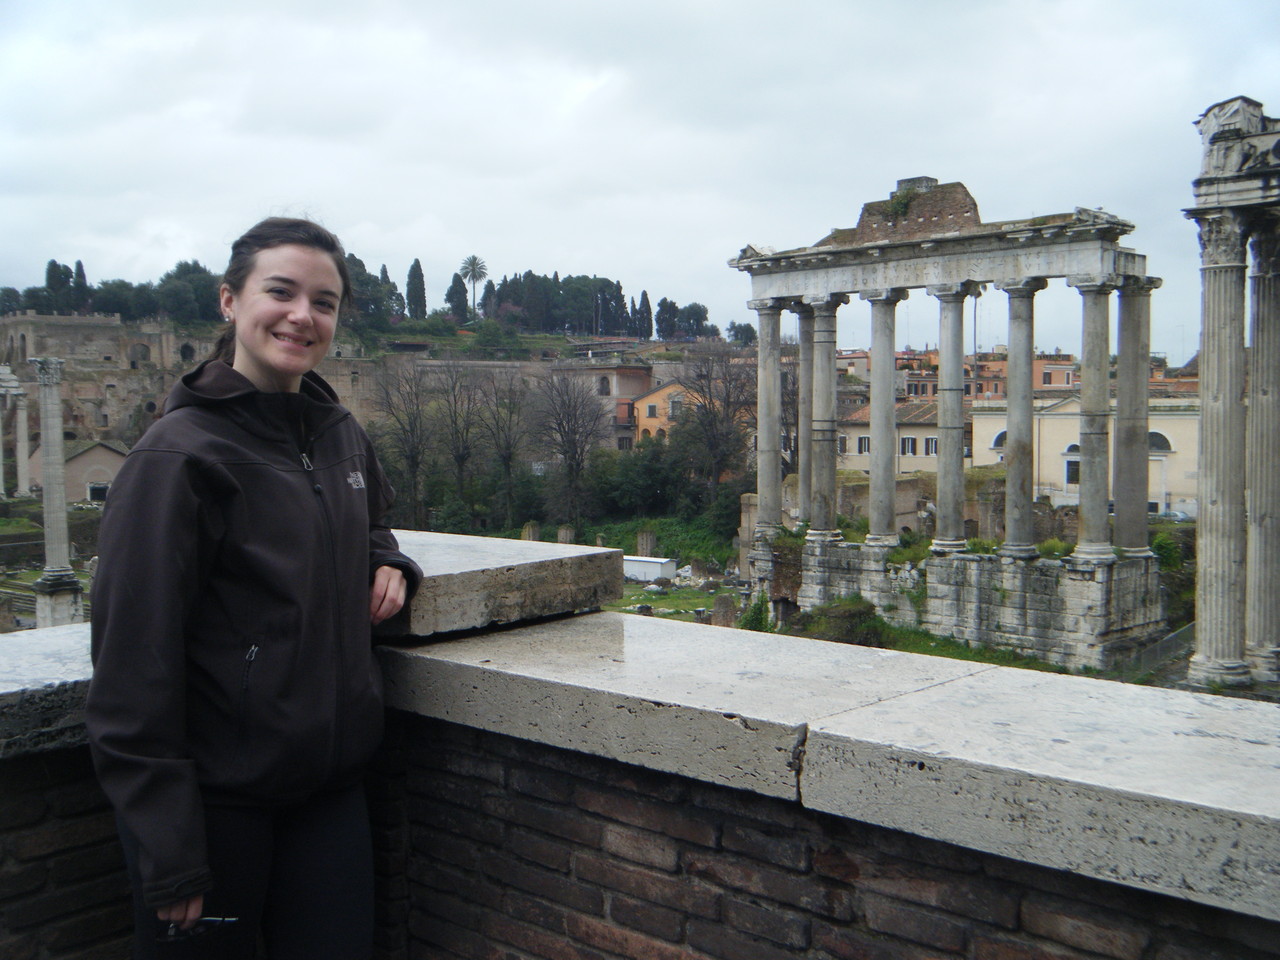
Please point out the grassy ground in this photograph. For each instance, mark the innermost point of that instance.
(677, 604)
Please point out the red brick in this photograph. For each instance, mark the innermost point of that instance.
(20, 948)
(51, 906)
(458, 941)
(106, 950)
(918, 924)
(750, 806)
(785, 927)
(549, 916)
(16, 881)
(774, 846)
(554, 854)
(647, 917)
(1086, 927)
(542, 784)
(1004, 947)
(69, 932)
(451, 819)
(799, 891)
(659, 786)
(544, 883)
(445, 847)
(967, 895)
(620, 940)
(21, 811)
(847, 943)
(429, 879)
(680, 893)
(74, 799)
(557, 821)
(641, 846)
(55, 836)
(1191, 947)
(459, 791)
(536, 940)
(674, 821)
(88, 862)
(719, 941)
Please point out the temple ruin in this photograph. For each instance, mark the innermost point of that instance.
(1096, 607)
(1237, 206)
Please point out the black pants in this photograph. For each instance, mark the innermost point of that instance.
(299, 878)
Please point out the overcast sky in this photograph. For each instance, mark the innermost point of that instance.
(645, 142)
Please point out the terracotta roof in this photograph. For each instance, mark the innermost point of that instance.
(905, 412)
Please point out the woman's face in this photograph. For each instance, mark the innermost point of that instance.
(285, 315)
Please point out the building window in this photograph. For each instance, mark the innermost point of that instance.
(1159, 442)
(624, 443)
(930, 446)
(842, 443)
(652, 410)
(907, 446)
(864, 444)
(1073, 471)
(998, 442)
(603, 387)
(676, 404)
(97, 492)
(1048, 377)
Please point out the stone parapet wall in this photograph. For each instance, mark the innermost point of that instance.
(525, 850)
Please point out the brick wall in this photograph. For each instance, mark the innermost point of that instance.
(520, 851)
(63, 892)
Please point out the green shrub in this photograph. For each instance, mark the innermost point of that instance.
(1168, 551)
(756, 616)
(979, 545)
(910, 552)
(846, 620)
(1054, 549)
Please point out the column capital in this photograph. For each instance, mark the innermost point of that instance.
(800, 308)
(48, 370)
(1222, 237)
(1100, 283)
(887, 295)
(955, 291)
(821, 302)
(1265, 245)
(1135, 286)
(1022, 286)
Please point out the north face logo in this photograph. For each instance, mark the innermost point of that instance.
(356, 479)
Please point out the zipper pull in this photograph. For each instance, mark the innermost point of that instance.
(306, 462)
(252, 654)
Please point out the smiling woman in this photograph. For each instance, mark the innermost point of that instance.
(243, 560)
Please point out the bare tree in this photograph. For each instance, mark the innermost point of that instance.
(570, 421)
(403, 399)
(719, 403)
(455, 410)
(504, 420)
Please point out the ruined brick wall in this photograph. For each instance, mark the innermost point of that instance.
(63, 891)
(519, 851)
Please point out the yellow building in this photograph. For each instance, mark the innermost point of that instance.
(915, 438)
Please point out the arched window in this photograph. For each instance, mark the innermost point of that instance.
(187, 352)
(645, 434)
(1158, 442)
(603, 388)
(998, 442)
(1073, 448)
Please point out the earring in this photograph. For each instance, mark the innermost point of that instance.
(227, 318)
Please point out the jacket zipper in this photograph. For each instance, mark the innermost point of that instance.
(250, 655)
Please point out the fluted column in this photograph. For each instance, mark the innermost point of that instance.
(58, 592)
(1262, 454)
(804, 409)
(1130, 483)
(1019, 525)
(768, 418)
(1220, 543)
(22, 447)
(949, 532)
(822, 498)
(1094, 540)
(884, 305)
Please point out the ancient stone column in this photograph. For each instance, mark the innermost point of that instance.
(768, 418)
(1094, 541)
(1130, 485)
(804, 413)
(822, 499)
(1262, 454)
(1019, 526)
(884, 453)
(949, 533)
(22, 446)
(1220, 536)
(58, 592)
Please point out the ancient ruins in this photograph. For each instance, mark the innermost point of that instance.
(1093, 609)
(1237, 205)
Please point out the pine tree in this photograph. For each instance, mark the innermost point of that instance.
(415, 292)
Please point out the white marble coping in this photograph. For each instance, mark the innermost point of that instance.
(1172, 792)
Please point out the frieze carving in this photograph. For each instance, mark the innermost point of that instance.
(1221, 239)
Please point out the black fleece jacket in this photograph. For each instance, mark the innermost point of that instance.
(232, 654)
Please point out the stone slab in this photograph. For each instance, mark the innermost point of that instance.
(472, 582)
(720, 705)
(44, 675)
(1161, 790)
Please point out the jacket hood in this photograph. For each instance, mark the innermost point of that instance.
(269, 415)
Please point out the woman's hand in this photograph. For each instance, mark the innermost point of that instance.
(386, 596)
(184, 913)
